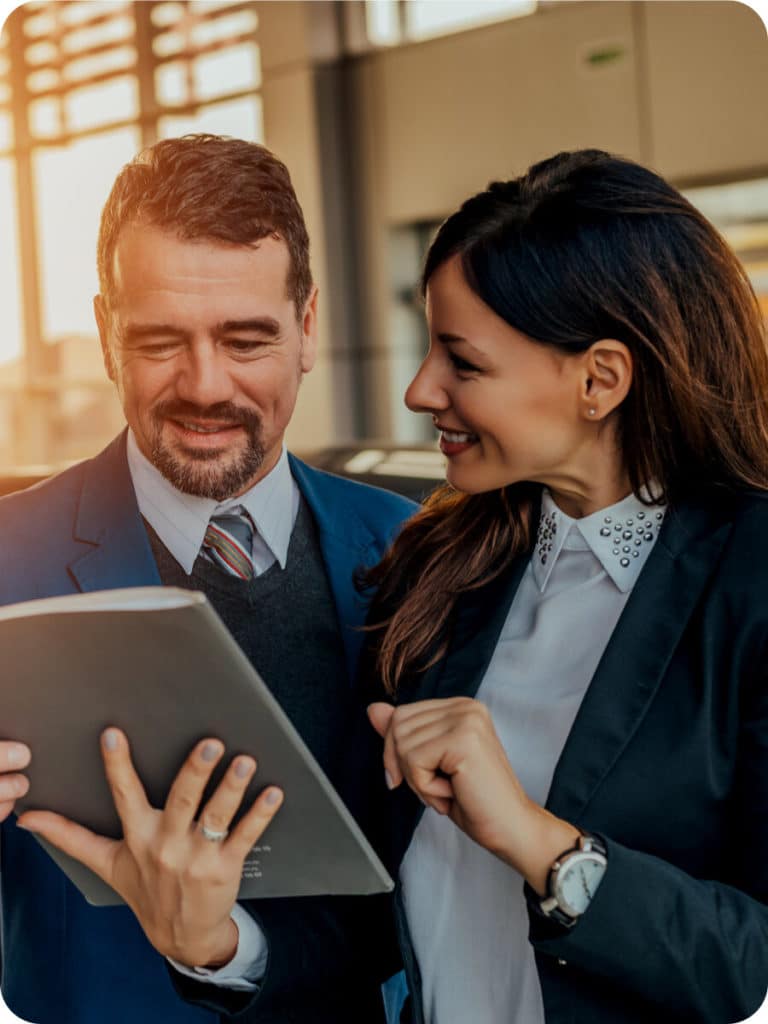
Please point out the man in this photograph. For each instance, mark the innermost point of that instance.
(207, 317)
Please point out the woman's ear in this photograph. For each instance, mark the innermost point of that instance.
(606, 378)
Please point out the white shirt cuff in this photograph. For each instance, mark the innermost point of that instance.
(246, 968)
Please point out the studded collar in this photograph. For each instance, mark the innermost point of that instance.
(621, 537)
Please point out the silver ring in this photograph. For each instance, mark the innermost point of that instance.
(212, 835)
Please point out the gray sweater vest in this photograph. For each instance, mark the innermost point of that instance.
(286, 623)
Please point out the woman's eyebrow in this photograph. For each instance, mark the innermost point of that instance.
(454, 339)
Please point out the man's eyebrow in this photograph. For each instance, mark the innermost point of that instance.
(135, 332)
(260, 325)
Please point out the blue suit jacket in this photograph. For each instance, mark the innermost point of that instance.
(65, 962)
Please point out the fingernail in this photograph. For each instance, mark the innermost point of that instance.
(110, 739)
(273, 797)
(389, 780)
(210, 751)
(243, 768)
(16, 755)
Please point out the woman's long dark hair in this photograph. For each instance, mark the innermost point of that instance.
(586, 246)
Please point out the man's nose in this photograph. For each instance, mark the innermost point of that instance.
(204, 377)
(425, 393)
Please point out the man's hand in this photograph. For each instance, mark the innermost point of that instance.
(180, 885)
(450, 755)
(13, 784)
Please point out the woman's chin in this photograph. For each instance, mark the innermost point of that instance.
(473, 481)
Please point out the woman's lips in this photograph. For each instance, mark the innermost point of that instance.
(453, 442)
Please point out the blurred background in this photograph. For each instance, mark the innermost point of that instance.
(388, 113)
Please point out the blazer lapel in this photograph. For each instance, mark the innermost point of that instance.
(346, 544)
(478, 621)
(637, 654)
(108, 520)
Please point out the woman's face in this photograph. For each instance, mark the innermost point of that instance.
(508, 409)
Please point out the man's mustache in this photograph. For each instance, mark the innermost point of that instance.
(220, 412)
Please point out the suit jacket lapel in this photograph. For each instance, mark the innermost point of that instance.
(346, 544)
(638, 653)
(108, 520)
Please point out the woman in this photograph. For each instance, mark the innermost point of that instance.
(574, 631)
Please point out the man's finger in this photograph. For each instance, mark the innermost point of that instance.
(127, 790)
(252, 825)
(13, 756)
(225, 802)
(189, 785)
(13, 786)
(96, 852)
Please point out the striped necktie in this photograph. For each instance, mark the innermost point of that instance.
(228, 543)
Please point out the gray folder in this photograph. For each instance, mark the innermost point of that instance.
(160, 664)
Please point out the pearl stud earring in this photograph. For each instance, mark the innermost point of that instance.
(592, 411)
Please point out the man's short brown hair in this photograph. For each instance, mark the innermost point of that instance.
(208, 187)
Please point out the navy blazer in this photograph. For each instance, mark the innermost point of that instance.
(668, 761)
(66, 962)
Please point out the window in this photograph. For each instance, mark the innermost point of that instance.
(390, 22)
(740, 212)
(83, 85)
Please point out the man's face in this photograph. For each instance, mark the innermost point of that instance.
(207, 351)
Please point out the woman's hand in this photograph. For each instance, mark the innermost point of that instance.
(449, 754)
(13, 784)
(180, 885)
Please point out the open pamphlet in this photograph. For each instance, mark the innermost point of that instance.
(160, 664)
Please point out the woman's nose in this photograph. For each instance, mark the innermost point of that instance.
(425, 392)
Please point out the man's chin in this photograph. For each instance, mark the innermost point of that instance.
(209, 473)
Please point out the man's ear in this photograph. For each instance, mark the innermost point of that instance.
(102, 322)
(309, 332)
(605, 378)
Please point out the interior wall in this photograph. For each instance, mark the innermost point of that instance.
(678, 86)
(295, 37)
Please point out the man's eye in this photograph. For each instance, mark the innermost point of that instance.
(461, 364)
(243, 346)
(158, 349)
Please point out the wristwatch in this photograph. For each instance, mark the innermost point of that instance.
(573, 880)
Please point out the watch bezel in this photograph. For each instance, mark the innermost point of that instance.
(564, 868)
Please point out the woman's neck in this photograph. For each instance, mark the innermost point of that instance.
(578, 503)
(595, 479)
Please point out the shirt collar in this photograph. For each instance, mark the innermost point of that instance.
(621, 537)
(180, 520)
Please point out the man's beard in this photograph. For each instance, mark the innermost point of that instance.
(200, 471)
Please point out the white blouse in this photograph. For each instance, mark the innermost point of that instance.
(465, 907)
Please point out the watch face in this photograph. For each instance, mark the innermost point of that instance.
(578, 881)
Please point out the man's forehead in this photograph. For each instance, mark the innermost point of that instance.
(146, 253)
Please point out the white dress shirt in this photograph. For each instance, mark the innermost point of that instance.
(465, 907)
(180, 521)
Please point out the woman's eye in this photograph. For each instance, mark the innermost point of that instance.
(461, 364)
